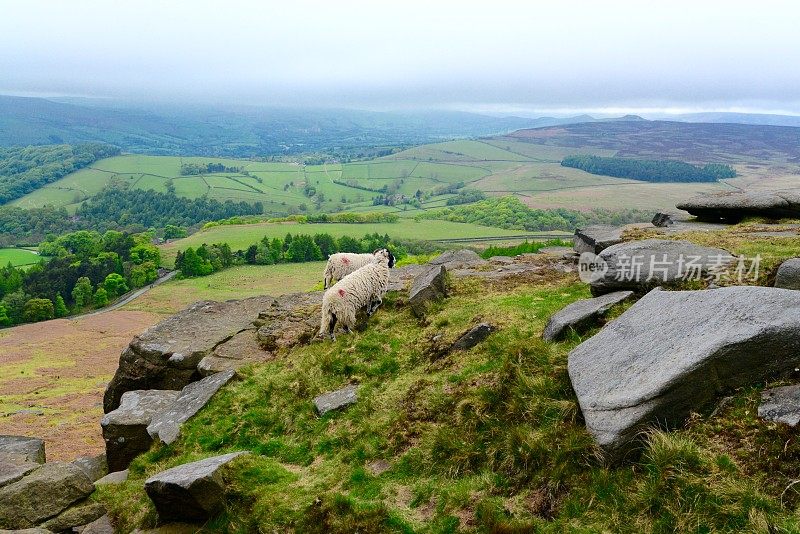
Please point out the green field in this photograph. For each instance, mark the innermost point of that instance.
(18, 256)
(242, 236)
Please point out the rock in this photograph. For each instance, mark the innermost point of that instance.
(556, 251)
(242, 349)
(378, 467)
(166, 355)
(581, 315)
(166, 425)
(788, 276)
(642, 265)
(428, 286)
(125, 429)
(596, 238)
(21, 449)
(289, 320)
(781, 405)
(101, 525)
(662, 220)
(170, 528)
(117, 477)
(12, 471)
(336, 400)
(95, 467)
(42, 494)
(675, 351)
(734, 206)
(189, 492)
(35, 530)
(75, 516)
(458, 259)
(501, 260)
(473, 336)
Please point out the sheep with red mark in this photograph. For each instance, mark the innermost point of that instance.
(343, 263)
(363, 288)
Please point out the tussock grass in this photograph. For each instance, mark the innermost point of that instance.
(485, 440)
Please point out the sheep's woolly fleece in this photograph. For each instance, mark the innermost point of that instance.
(363, 288)
(343, 263)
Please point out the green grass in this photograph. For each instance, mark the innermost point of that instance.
(18, 256)
(487, 440)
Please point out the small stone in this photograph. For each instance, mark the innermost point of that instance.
(473, 336)
(336, 400)
(101, 525)
(788, 276)
(662, 220)
(781, 405)
(378, 467)
(117, 477)
(596, 238)
(581, 314)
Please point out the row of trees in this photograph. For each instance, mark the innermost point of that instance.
(299, 248)
(25, 169)
(86, 270)
(650, 170)
(194, 169)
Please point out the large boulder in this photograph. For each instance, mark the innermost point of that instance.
(13, 471)
(190, 492)
(242, 349)
(21, 449)
(289, 320)
(781, 405)
(428, 286)
(81, 514)
(788, 276)
(166, 355)
(44, 493)
(95, 467)
(582, 314)
(733, 206)
(642, 265)
(125, 429)
(166, 425)
(459, 259)
(596, 238)
(675, 351)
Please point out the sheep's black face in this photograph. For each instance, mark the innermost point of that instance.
(391, 259)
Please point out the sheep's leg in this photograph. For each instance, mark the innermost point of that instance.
(373, 306)
(332, 327)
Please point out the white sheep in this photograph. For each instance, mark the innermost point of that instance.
(343, 263)
(362, 288)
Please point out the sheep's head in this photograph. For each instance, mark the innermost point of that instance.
(385, 255)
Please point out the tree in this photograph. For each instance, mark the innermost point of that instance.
(38, 310)
(174, 232)
(82, 293)
(60, 307)
(303, 248)
(115, 285)
(143, 274)
(5, 320)
(14, 304)
(326, 244)
(100, 298)
(349, 244)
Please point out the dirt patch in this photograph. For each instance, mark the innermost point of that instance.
(53, 374)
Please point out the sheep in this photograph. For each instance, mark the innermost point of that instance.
(343, 263)
(362, 288)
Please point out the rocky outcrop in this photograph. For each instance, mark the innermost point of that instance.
(95, 467)
(20, 449)
(428, 286)
(454, 260)
(788, 276)
(165, 425)
(190, 492)
(336, 400)
(581, 315)
(41, 495)
(125, 429)
(734, 206)
(242, 349)
(642, 265)
(473, 336)
(81, 514)
(781, 405)
(166, 356)
(676, 351)
(596, 238)
(289, 320)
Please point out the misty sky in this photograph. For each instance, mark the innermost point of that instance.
(557, 56)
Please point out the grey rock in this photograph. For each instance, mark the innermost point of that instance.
(117, 477)
(581, 315)
(166, 355)
(13, 471)
(95, 467)
(733, 206)
(101, 525)
(558, 251)
(289, 320)
(336, 400)
(675, 351)
(459, 259)
(242, 349)
(662, 220)
(659, 262)
(75, 516)
(189, 492)
(473, 336)
(42, 494)
(125, 429)
(781, 405)
(166, 425)
(596, 238)
(788, 276)
(378, 467)
(21, 449)
(501, 260)
(428, 286)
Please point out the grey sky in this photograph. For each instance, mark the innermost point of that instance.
(559, 56)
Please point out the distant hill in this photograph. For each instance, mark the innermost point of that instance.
(741, 118)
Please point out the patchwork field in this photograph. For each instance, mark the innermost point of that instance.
(18, 256)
